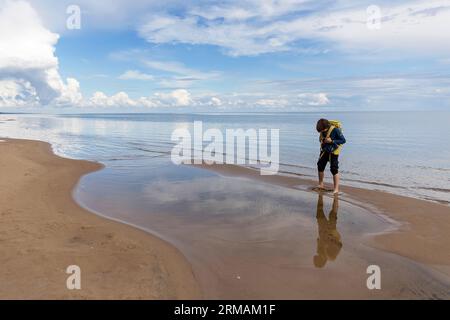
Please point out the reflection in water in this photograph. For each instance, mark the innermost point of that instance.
(329, 241)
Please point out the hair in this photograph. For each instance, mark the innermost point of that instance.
(322, 124)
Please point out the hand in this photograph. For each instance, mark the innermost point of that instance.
(328, 140)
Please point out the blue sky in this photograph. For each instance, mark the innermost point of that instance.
(184, 56)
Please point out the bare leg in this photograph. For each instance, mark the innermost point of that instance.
(336, 179)
(321, 175)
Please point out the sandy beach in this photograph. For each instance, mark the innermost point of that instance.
(43, 231)
(233, 250)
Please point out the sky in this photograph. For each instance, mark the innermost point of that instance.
(220, 56)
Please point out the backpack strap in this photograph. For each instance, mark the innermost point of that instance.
(329, 131)
(338, 149)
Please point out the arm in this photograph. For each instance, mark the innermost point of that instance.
(338, 138)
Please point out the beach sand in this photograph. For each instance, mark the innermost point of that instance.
(43, 231)
(253, 237)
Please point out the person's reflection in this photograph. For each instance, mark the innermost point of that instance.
(329, 241)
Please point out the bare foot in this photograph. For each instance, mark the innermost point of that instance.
(335, 192)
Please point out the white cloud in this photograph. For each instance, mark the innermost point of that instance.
(183, 76)
(70, 93)
(27, 56)
(102, 14)
(169, 66)
(182, 98)
(215, 102)
(416, 26)
(168, 74)
(236, 38)
(99, 99)
(180, 69)
(148, 102)
(175, 98)
(256, 27)
(120, 99)
(272, 102)
(179, 98)
(244, 10)
(135, 75)
(313, 99)
(18, 93)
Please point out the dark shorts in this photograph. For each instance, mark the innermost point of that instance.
(334, 162)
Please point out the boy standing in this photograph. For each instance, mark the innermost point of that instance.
(331, 141)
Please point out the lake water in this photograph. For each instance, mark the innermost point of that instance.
(406, 153)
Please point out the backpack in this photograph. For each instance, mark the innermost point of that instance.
(333, 124)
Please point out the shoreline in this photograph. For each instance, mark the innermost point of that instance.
(419, 238)
(43, 226)
(421, 227)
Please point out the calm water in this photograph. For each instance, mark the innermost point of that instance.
(401, 152)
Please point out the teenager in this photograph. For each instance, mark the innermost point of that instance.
(331, 141)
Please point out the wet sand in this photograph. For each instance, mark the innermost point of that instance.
(43, 231)
(424, 231)
(256, 237)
